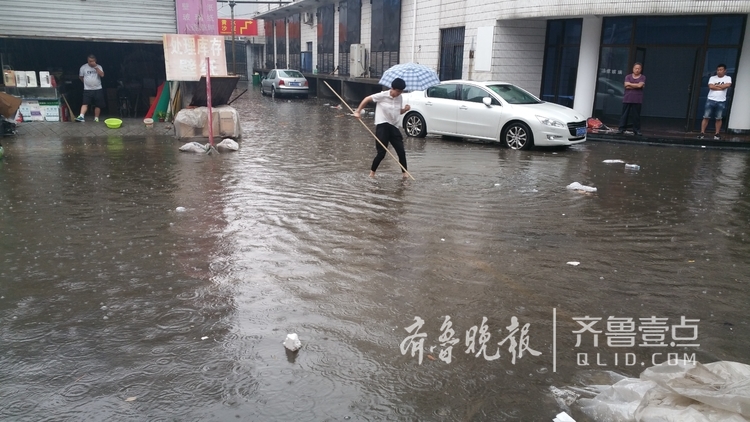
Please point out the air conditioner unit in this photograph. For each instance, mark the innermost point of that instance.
(357, 60)
(308, 18)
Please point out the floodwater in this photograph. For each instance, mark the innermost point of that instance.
(115, 305)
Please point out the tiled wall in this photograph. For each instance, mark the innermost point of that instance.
(514, 9)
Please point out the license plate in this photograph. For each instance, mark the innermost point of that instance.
(293, 83)
(580, 131)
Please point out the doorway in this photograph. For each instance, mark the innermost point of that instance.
(679, 54)
(451, 53)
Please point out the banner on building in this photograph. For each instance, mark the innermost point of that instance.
(196, 17)
(185, 56)
(242, 27)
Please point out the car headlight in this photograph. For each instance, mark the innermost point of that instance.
(550, 122)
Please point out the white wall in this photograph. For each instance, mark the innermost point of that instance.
(519, 53)
(740, 117)
(515, 9)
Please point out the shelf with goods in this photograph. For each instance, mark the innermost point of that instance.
(39, 104)
(40, 95)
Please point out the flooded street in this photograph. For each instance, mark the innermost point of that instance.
(116, 305)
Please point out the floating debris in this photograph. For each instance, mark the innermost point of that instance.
(579, 187)
(292, 342)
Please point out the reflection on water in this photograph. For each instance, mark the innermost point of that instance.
(114, 304)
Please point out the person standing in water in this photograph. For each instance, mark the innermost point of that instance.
(387, 117)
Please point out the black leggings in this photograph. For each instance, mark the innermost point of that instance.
(387, 133)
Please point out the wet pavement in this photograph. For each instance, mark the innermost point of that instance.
(141, 283)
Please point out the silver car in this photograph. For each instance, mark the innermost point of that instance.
(284, 82)
(495, 111)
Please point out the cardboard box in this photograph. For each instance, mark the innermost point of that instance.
(9, 78)
(9, 105)
(184, 130)
(50, 110)
(225, 123)
(31, 111)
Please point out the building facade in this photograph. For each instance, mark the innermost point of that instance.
(575, 53)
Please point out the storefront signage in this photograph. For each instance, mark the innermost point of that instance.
(242, 27)
(196, 17)
(185, 56)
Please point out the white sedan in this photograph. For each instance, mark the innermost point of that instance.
(495, 111)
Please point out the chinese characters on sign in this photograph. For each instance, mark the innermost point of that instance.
(612, 332)
(477, 340)
(196, 17)
(185, 56)
(242, 27)
(624, 332)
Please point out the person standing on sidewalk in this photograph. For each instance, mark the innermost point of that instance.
(716, 101)
(387, 115)
(91, 75)
(633, 99)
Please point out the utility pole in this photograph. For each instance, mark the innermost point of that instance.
(234, 58)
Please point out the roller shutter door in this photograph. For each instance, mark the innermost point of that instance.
(94, 20)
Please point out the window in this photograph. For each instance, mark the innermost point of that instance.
(561, 60)
(447, 91)
(290, 74)
(514, 95)
(474, 94)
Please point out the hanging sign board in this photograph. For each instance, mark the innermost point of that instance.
(242, 27)
(185, 56)
(196, 17)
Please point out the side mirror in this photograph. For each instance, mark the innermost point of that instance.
(487, 101)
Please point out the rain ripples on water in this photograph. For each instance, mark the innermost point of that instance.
(114, 305)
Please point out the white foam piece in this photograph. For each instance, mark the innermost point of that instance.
(578, 186)
(292, 342)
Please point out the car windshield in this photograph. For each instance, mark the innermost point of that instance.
(514, 95)
(290, 74)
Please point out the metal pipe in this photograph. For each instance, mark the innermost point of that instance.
(234, 58)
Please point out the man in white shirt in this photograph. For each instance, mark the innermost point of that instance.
(717, 100)
(387, 116)
(91, 75)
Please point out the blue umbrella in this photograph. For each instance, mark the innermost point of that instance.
(418, 77)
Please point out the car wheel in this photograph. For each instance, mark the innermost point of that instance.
(518, 136)
(415, 126)
(262, 90)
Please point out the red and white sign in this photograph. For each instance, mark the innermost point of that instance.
(242, 27)
(185, 56)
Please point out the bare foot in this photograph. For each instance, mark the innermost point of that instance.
(405, 175)
(372, 174)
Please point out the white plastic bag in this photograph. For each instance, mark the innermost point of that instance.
(194, 147)
(676, 391)
(228, 144)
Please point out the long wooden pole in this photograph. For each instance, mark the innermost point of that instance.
(208, 102)
(373, 135)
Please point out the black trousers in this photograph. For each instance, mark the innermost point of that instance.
(633, 109)
(387, 133)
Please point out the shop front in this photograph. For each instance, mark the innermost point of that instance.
(49, 36)
(678, 53)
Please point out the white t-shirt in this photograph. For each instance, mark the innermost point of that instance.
(718, 95)
(91, 79)
(388, 109)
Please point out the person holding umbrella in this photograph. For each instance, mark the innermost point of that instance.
(387, 116)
